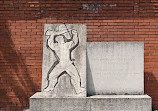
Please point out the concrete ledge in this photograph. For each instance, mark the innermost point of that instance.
(40, 102)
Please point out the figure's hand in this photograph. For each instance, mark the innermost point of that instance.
(49, 42)
(48, 32)
(74, 32)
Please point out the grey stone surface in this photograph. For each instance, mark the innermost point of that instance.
(41, 102)
(115, 68)
(121, 103)
(64, 60)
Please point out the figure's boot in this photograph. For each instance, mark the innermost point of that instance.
(48, 88)
(75, 80)
(51, 85)
(79, 90)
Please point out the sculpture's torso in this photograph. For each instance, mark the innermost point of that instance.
(63, 52)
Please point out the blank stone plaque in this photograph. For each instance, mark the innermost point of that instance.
(115, 68)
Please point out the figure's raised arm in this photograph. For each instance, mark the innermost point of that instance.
(75, 37)
(50, 42)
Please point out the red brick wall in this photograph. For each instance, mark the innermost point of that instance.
(21, 38)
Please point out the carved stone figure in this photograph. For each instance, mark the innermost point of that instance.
(62, 43)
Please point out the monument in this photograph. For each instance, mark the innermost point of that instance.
(64, 59)
(109, 77)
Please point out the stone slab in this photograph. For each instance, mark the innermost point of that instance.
(115, 68)
(41, 102)
(64, 61)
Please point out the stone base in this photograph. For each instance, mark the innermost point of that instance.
(39, 102)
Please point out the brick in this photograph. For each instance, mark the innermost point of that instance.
(22, 29)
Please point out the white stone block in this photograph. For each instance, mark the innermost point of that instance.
(64, 60)
(115, 68)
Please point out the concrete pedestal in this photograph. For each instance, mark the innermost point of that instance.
(40, 102)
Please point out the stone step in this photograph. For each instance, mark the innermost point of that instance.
(41, 102)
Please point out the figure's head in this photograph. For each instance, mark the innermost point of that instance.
(59, 38)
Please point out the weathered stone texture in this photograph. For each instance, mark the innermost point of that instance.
(40, 102)
(64, 60)
(115, 68)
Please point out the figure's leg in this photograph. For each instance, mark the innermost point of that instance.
(53, 79)
(75, 79)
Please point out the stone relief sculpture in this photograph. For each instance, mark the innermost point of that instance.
(62, 42)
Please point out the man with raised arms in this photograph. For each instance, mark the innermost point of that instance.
(62, 48)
